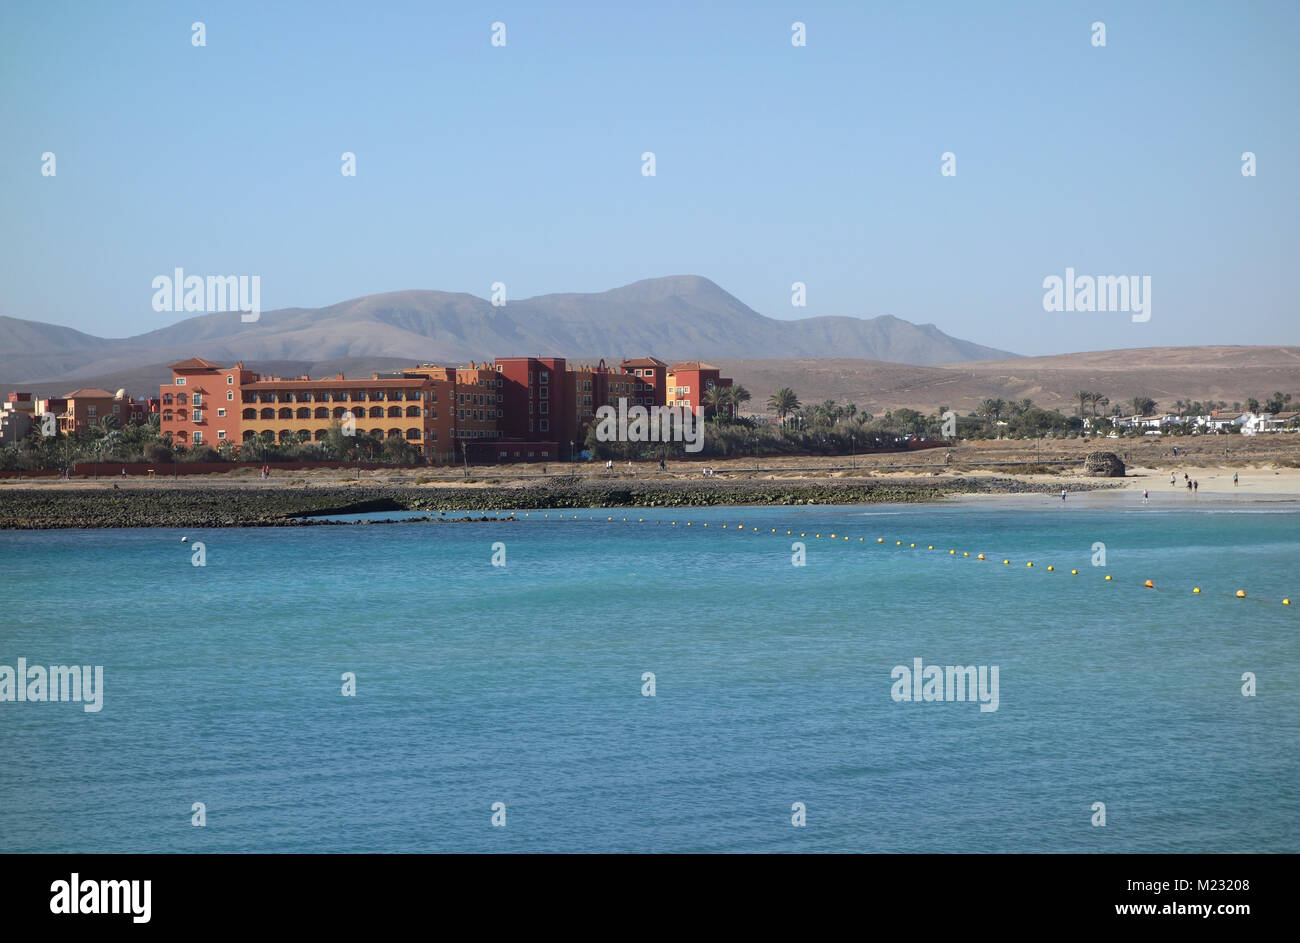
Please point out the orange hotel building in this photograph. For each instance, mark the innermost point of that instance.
(207, 404)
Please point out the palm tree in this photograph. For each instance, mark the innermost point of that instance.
(1084, 397)
(739, 395)
(717, 400)
(1143, 405)
(991, 409)
(783, 402)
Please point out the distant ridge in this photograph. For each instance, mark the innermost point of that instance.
(676, 317)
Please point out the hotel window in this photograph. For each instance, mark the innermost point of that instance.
(545, 376)
(230, 396)
(198, 399)
(221, 413)
(546, 425)
(180, 381)
(230, 378)
(545, 393)
(117, 409)
(544, 410)
(638, 371)
(91, 410)
(198, 436)
(221, 433)
(649, 373)
(198, 415)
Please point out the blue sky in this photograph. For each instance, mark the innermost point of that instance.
(775, 164)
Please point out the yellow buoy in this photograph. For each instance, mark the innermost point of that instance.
(1051, 569)
(1149, 585)
(846, 538)
(1029, 564)
(1196, 590)
(931, 547)
(1241, 594)
(1006, 561)
(1286, 602)
(832, 536)
(913, 545)
(724, 526)
(640, 520)
(1074, 572)
(981, 556)
(965, 554)
(1107, 576)
(880, 540)
(952, 553)
(898, 543)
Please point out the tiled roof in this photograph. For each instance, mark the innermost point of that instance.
(88, 393)
(195, 363)
(334, 384)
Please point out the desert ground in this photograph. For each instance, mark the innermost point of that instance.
(1266, 465)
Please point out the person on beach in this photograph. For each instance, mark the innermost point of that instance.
(1173, 480)
(1189, 484)
(1234, 479)
(1145, 495)
(1062, 494)
(1196, 486)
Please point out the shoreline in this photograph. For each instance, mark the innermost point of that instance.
(258, 504)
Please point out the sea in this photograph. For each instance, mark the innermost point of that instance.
(665, 680)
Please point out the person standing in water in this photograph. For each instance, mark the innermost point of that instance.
(1196, 486)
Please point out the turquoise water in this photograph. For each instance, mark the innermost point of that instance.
(522, 684)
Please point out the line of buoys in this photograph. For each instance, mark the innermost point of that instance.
(1148, 584)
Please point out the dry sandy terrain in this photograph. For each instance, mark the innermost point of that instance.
(1268, 466)
(1166, 374)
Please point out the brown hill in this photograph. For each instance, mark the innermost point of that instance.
(1166, 374)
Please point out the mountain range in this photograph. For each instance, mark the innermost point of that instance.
(673, 318)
